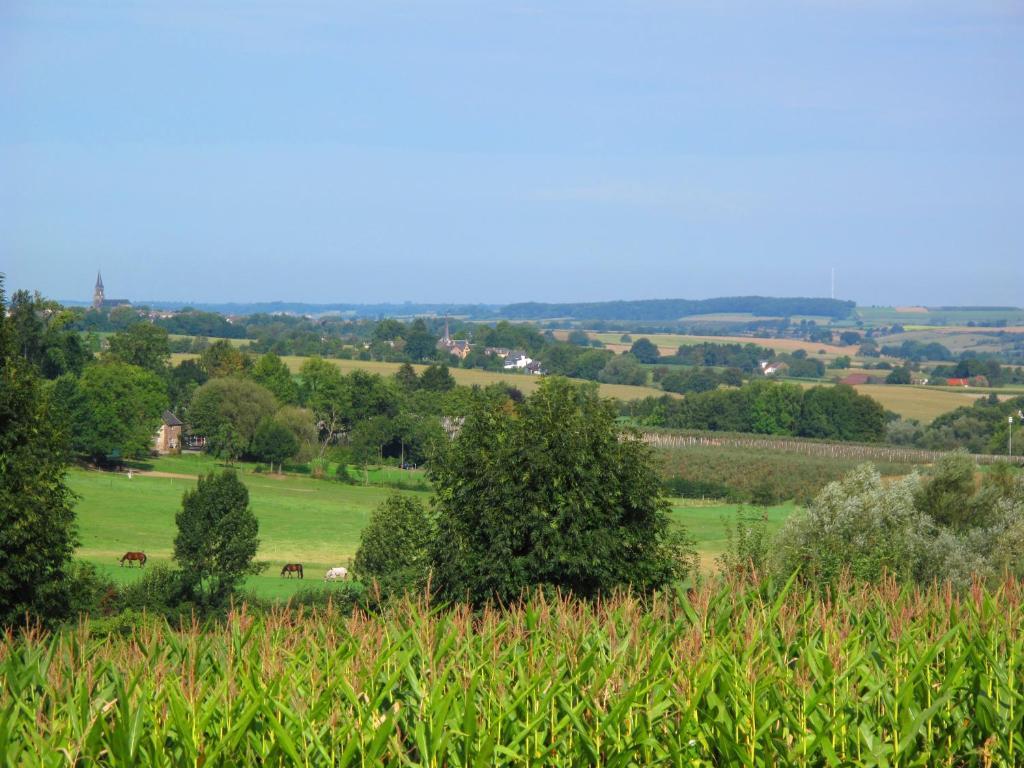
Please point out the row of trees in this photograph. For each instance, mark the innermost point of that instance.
(769, 408)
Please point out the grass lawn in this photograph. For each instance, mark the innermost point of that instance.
(315, 522)
(707, 524)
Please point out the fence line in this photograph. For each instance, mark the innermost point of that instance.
(888, 453)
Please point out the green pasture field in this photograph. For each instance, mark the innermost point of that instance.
(315, 522)
(914, 315)
(464, 376)
(957, 342)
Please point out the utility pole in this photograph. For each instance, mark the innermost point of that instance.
(833, 282)
(1009, 439)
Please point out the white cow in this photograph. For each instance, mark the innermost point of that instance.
(336, 573)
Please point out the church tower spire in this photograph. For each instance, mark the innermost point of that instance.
(97, 294)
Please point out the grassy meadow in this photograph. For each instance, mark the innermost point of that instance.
(302, 519)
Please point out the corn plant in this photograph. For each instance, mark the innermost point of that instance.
(726, 674)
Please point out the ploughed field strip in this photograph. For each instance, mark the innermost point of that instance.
(725, 675)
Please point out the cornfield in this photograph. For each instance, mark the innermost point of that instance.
(757, 675)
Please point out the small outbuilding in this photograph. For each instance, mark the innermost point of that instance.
(168, 437)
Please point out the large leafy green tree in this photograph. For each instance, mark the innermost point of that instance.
(144, 345)
(271, 371)
(420, 343)
(274, 442)
(218, 536)
(40, 334)
(228, 411)
(550, 493)
(645, 351)
(114, 409)
(394, 547)
(37, 519)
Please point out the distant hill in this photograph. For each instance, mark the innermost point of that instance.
(406, 309)
(652, 310)
(665, 310)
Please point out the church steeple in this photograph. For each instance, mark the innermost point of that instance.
(97, 294)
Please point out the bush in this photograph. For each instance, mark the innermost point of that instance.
(938, 529)
(393, 555)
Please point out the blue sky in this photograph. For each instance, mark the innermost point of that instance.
(497, 152)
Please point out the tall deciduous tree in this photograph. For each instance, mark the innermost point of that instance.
(273, 443)
(218, 536)
(420, 343)
(645, 351)
(227, 412)
(37, 519)
(550, 493)
(272, 373)
(144, 345)
(113, 409)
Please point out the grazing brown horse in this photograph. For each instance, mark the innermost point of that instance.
(138, 557)
(290, 568)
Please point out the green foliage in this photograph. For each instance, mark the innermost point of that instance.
(899, 375)
(937, 529)
(274, 442)
(183, 380)
(623, 369)
(746, 357)
(300, 422)
(37, 519)
(748, 545)
(114, 409)
(766, 407)
(731, 676)
(144, 345)
(161, 590)
(979, 428)
(857, 525)
(271, 372)
(547, 493)
(394, 547)
(436, 378)
(690, 380)
(227, 412)
(420, 343)
(645, 351)
(218, 536)
(222, 359)
(737, 473)
(40, 333)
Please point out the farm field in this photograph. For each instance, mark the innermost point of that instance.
(728, 674)
(976, 340)
(668, 343)
(315, 522)
(921, 403)
(911, 402)
(464, 376)
(937, 317)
